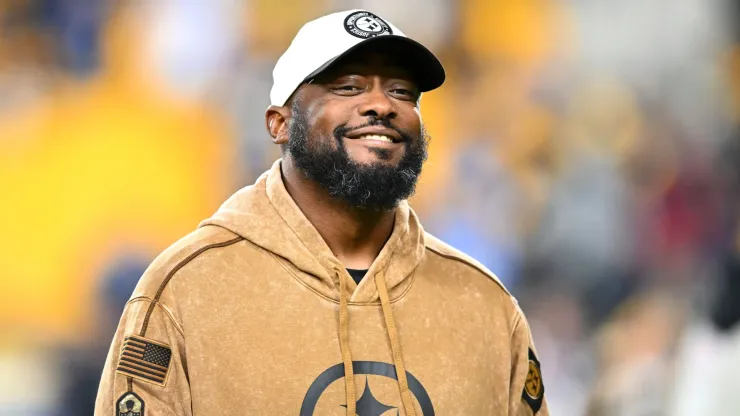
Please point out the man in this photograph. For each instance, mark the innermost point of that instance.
(316, 291)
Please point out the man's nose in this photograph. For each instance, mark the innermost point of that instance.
(377, 103)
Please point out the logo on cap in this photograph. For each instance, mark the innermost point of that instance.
(366, 25)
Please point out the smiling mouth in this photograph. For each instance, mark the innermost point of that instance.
(375, 138)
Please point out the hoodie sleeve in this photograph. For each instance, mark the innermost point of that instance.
(527, 389)
(145, 374)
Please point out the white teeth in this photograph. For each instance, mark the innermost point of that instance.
(376, 137)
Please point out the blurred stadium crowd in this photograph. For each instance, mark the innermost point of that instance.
(586, 151)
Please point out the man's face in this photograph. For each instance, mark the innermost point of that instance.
(356, 130)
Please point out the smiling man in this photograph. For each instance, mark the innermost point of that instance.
(316, 291)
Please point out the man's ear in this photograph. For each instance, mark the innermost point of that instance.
(276, 120)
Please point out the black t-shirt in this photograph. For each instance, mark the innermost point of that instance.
(357, 275)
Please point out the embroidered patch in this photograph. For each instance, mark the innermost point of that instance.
(145, 360)
(366, 25)
(534, 389)
(130, 404)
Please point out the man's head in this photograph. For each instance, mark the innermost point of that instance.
(352, 124)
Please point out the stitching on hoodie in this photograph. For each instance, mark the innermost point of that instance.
(174, 270)
(282, 261)
(463, 261)
(164, 308)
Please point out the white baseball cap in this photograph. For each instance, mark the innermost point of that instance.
(321, 42)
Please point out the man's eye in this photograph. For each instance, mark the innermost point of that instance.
(402, 92)
(347, 88)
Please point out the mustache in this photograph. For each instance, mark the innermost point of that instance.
(343, 130)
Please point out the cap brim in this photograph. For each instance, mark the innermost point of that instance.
(426, 69)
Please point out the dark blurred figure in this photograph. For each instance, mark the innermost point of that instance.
(725, 309)
(82, 365)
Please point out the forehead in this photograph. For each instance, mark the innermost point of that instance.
(384, 63)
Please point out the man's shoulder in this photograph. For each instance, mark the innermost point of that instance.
(462, 260)
(179, 255)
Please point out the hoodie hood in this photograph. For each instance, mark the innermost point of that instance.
(266, 215)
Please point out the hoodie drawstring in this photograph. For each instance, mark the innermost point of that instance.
(390, 327)
(349, 375)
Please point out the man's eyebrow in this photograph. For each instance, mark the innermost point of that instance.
(396, 75)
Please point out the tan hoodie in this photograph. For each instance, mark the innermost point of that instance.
(252, 314)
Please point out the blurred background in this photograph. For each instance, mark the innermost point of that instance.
(587, 151)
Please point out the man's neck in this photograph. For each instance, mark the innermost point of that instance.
(355, 236)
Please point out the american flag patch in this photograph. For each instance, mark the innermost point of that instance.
(144, 359)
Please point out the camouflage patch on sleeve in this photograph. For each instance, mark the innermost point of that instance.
(130, 404)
